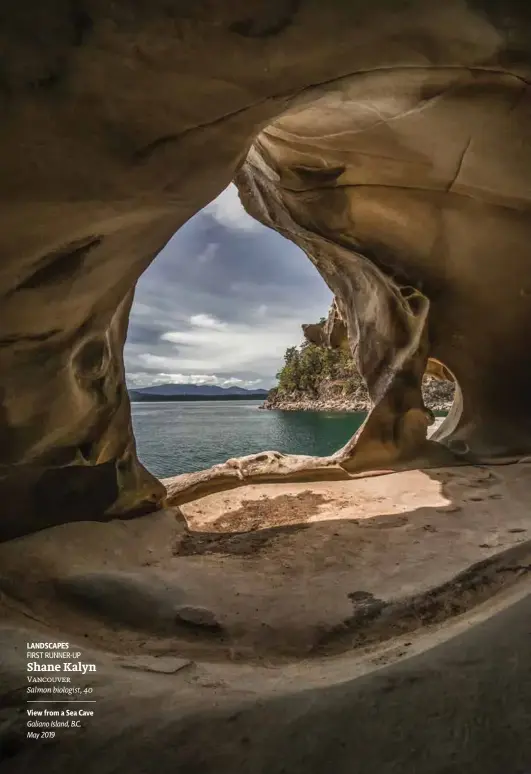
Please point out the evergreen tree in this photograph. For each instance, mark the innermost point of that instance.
(307, 366)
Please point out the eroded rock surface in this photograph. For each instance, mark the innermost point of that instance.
(389, 140)
(346, 627)
(392, 182)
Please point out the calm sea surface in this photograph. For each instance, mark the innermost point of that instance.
(177, 437)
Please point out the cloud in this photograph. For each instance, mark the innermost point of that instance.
(147, 379)
(206, 321)
(228, 210)
(232, 347)
(221, 302)
(208, 254)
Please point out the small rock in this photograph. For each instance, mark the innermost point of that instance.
(452, 508)
(165, 665)
(199, 617)
(361, 596)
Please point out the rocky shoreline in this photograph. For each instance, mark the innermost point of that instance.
(307, 404)
(438, 396)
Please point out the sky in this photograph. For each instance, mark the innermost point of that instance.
(221, 303)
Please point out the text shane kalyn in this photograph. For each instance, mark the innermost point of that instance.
(64, 666)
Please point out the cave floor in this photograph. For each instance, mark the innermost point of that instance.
(263, 592)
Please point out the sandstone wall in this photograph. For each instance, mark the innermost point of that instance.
(388, 140)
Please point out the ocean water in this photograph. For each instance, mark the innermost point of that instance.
(176, 437)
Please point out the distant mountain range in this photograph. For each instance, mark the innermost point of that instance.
(194, 392)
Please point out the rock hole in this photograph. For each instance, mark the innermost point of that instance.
(87, 450)
(61, 264)
(91, 359)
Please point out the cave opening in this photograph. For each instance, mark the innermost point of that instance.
(398, 223)
(213, 316)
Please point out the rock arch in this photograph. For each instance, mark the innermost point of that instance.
(389, 141)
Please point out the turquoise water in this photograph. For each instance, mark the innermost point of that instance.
(177, 437)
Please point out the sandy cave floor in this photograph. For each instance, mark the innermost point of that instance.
(279, 572)
(226, 629)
